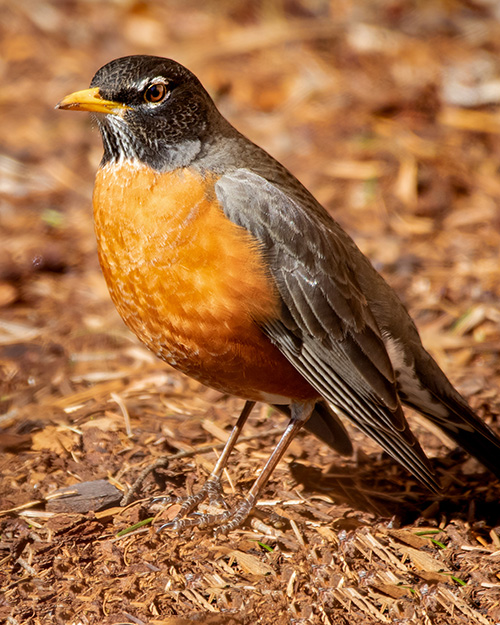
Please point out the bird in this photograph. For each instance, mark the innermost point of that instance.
(229, 269)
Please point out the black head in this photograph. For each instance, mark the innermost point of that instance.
(148, 108)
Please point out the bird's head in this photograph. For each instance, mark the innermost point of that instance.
(148, 108)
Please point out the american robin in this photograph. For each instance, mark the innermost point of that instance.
(228, 269)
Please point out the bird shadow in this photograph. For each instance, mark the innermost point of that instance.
(381, 487)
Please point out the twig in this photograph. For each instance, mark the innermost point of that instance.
(162, 463)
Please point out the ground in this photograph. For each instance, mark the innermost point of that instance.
(389, 113)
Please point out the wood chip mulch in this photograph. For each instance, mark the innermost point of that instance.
(390, 113)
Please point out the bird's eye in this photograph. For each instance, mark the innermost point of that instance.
(156, 92)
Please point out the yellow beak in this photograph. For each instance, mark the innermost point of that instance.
(91, 100)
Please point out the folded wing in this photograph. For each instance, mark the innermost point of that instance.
(326, 328)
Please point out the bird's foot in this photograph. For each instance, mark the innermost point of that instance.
(221, 523)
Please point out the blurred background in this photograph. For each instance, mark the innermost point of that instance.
(387, 110)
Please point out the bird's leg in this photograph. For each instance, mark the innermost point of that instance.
(212, 489)
(230, 519)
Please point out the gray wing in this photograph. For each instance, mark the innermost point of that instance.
(326, 329)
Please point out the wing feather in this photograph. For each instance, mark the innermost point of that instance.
(326, 328)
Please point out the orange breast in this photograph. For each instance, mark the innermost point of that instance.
(190, 283)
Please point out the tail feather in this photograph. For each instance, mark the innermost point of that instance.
(464, 427)
(326, 426)
(428, 390)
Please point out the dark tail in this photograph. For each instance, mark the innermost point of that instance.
(468, 431)
(452, 414)
(327, 426)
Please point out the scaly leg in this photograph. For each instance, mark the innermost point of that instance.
(230, 519)
(212, 489)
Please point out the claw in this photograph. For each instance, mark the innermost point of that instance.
(202, 521)
(167, 499)
(188, 517)
(169, 525)
(212, 490)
